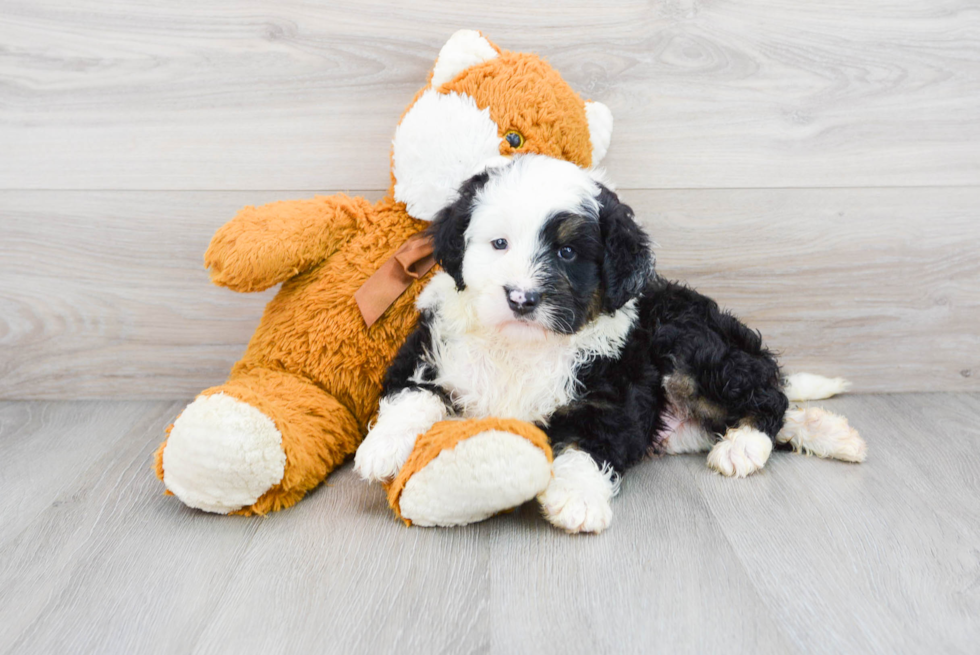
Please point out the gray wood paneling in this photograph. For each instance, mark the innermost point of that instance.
(808, 556)
(103, 294)
(305, 95)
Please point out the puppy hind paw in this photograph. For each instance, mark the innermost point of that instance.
(741, 452)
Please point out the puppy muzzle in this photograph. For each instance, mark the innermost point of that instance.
(522, 302)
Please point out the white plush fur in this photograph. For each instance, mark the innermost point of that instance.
(600, 129)
(807, 386)
(483, 475)
(577, 498)
(490, 373)
(222, 455)
(401, 419)
(465, 48)
(818, 432)
(741, 452)
(441, 142)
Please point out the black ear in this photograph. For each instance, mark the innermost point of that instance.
(627, 263)
(448, 229)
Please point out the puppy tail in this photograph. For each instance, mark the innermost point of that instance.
(815, 431)
(807, 386)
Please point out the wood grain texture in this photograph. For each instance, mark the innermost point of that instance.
(103, 294)
(45, 447)
(808, 556)
(111, 566)
(305, 95)
(882, 557)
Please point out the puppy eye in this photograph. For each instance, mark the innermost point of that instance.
(567, 253)
(499, 244)
(514, 138)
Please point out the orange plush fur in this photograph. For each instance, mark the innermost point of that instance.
(312, 366)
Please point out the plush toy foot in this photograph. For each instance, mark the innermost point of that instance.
(465, 471)
(577, 499)
(741, 452)
(222, 455)
(257, 443)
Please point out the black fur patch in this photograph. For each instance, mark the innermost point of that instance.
(570, 285)
(448, 229)
(627, 260)
(411, 359)
(678, 331)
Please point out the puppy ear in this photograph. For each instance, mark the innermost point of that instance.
(627, 263)
(448, 229)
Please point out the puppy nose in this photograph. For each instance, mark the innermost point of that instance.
(522, 301)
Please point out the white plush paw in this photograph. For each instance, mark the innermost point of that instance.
(741, 452)
(383, 453)
(577, 498)
(222, 455)
(486, 474)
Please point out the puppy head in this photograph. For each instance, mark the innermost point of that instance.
(538, 246)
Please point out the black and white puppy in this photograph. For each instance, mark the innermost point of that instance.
(548, 310)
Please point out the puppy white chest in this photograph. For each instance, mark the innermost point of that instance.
(488, 373)
(528, 381)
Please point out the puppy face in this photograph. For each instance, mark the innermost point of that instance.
(538, 246)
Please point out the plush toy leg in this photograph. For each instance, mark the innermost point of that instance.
(255, 444)
(465, 471)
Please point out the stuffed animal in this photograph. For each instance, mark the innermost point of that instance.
(300, 400)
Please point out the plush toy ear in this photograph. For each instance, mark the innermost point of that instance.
(627, 263)
(448, 229)
(600, 129)
(465, 48)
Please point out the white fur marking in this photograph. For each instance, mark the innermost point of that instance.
(577, 499)
(464, 49)
(486, 474)
(401, 419)
(807, 386)
(441, 141)
(816, 431)
(222, 454)
(600, 129)
(741, 452)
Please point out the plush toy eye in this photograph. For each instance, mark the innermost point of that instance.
(514, 138)
(499, 244)
(567, 253)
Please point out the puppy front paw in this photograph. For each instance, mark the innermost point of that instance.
(577, 498)
(381, 455)
(741, 452)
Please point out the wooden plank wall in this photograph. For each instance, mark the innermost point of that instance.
(815, 166)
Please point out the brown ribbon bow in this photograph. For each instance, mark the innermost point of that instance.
(409, 263)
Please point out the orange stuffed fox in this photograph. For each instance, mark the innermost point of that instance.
(300, 400)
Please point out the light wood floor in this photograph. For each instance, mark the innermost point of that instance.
(809, 556)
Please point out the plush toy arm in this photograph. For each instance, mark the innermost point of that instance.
(263, 246)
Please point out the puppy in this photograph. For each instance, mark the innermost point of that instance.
(548, 310)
